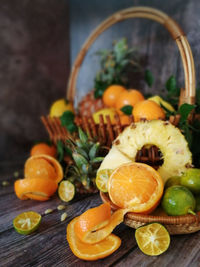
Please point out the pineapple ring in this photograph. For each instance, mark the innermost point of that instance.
(176, 154)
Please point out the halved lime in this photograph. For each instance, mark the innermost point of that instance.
(153, 239)
(27, 222)
(66, 191)
(102, 179)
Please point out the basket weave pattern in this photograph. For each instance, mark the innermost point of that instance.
(106, 132)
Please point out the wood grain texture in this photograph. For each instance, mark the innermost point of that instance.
(48, 246)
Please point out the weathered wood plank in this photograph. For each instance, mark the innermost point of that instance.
(183, 251)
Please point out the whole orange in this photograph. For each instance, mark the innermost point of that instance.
(111, 94)
(128, 97)
(43, 148)
(125, 120)
(148, 110)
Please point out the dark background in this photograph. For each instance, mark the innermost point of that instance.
(39, 39)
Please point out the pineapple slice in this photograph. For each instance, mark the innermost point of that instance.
(176, 154)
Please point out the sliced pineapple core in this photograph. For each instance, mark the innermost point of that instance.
(172, 144)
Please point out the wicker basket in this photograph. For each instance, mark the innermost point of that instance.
(107, 132)
(176, 225)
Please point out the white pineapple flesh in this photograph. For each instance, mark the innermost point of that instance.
(171, 142)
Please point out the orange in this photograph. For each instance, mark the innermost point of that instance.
(148, 110)
(125, 120)
(43, 148)
(128, 97)
(111, 94)
(92, 220)
(43, 166)
(36, 188)
(96, 224)
(135, 186)
(91, 252)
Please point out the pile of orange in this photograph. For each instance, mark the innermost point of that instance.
(117, 96)
(134, 187)
(42, 175)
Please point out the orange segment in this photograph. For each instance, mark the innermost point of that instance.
(135, 186)
(43, 166)
(87, 251)
(35, 188)
(91, 229)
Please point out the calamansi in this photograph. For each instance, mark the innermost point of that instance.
(153, 239)
(191, 180)
(27, 222)
(102, 179)
(178, 200)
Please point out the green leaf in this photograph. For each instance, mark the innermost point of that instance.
(67, 120)
(127, 109)
(60, 150)
(94, 150)
(97, 160)
(149, 79)
(83, 136)
(171, 84)
(85, 168)
(79, 160)
(81, 152)
(184, 111)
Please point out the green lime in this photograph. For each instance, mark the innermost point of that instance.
(191, 180)
(66, 191)
(178, 200)
(174, 180)
(27, 222)
(197, 198)
(153, 239)
(102, 179)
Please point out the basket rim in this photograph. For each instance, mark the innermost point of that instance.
(144, 218)
(188, 95)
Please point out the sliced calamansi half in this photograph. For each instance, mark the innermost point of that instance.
(153, 239)
(27, 222)
(102, 179)
(66, 191)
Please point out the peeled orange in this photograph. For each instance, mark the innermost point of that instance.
(35, 188)
(91, 252)
(135, 186)
(43, 166)
(96, 224)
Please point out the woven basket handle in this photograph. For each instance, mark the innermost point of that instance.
(149, 13)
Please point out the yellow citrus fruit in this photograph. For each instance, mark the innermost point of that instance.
(105, 111)
(91, 252)
(162, 102)
(27, 222)
(153, 239)
(59, 107)
(66, 191)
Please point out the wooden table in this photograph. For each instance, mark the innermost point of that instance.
(48, 245)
